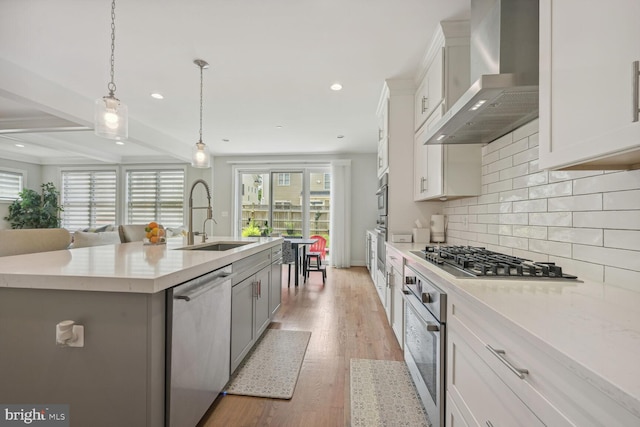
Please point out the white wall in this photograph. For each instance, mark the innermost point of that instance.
(33, 180)
(588, 222)
(363, 181)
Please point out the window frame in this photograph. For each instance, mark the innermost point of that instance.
(92, 169)
(23, 183)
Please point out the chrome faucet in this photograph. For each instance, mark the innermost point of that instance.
(191, 208)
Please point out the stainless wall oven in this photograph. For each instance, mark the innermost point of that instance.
(425, 341)
(381, 223)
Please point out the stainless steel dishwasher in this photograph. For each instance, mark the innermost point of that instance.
(198, 346)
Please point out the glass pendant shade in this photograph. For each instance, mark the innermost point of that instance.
(200, 157)
(111, 118)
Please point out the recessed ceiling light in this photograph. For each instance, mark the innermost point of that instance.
(340, 136)
(225, 140)
(336, 86)
(119, 143)
(157, 95)
(279, 126)
(20, 145)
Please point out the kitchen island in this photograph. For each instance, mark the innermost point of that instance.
(578, 339)
(118, 293)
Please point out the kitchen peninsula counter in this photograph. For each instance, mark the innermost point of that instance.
(125, 267)
(118, 293)
(590, 328)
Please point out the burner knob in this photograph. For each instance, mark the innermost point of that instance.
(426, 298)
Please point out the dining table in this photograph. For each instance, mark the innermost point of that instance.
(296, 243)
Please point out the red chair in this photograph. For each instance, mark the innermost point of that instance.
(315, 256)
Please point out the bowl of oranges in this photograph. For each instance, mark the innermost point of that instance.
(155, 234)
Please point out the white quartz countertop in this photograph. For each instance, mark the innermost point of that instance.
(126, 267)
(592, 327)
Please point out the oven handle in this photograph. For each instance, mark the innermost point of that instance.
(431, 326)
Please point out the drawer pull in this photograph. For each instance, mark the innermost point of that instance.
(489, 424)
(500, 355)
(636, 90)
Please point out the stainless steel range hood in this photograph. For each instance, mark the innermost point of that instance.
(504, 73)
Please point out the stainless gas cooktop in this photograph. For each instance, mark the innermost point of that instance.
(471, 261)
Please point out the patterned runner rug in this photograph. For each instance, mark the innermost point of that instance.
(272, 367)
(383, 394)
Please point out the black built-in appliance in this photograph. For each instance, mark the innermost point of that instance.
(381, 223)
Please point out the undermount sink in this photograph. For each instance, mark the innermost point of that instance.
(217, 246)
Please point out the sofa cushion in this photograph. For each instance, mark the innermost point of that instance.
(26, 241)
(83, 239)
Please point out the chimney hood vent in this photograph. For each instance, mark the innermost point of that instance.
(504, 71)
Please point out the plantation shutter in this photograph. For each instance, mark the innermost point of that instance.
(155, 195)
(10, 185)
(88, 199)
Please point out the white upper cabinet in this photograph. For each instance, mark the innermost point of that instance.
(444, 72)
(588, 89)
(383, 134)
(443, 171)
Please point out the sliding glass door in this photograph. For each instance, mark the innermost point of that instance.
(288, 202)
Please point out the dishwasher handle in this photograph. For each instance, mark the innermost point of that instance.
(203, 284)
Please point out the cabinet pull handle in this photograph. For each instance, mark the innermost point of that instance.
(425, 104)
(636, 90)
(389, 275)
(500, 355)
(423, 181)
(489, 424)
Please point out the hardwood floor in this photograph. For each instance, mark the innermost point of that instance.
(346, 320)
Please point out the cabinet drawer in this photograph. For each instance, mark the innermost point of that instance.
(552, 388)
(478, 392)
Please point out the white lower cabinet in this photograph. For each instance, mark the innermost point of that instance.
(395, 304)
(453, 416)
(500, 375)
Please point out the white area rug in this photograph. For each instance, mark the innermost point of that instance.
(272, 367)
(383, 394)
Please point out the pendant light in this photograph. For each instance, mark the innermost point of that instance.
(200, 154)
(110, 114)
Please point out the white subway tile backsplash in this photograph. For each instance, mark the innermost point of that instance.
(499, 143)
(491, 239)
(621, 220)
(478, 209)
(608, 256)
(556, 176)
(623, 239)
(584, 270)
(526, 156)
(530, 180)
(491, 178)
(550, 248)
(514, 242)
(586, 202)
(526, 130)
(488, 198)
(585, 236)
(514, 171)
(499, 186)
(586, 221)
(550, 190)
(491, 157)
(533, 256)
(530, 231)
(499, 207)
(616, 181)
(505, 230)
(513, 195)
(539, 205)
(558, 219)
(622, 200)
(514, 148)
(623, 278)
(514, 218)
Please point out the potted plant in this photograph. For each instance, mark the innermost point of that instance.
(34, 210)
(251, 230)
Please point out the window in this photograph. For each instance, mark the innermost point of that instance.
(11, 184)
(284, 179)
(327, 181)
(88, 198)
(155, 195)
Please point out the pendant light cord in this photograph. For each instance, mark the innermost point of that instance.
(201, 68)
(112, 86)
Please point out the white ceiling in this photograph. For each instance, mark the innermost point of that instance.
(272, 62)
